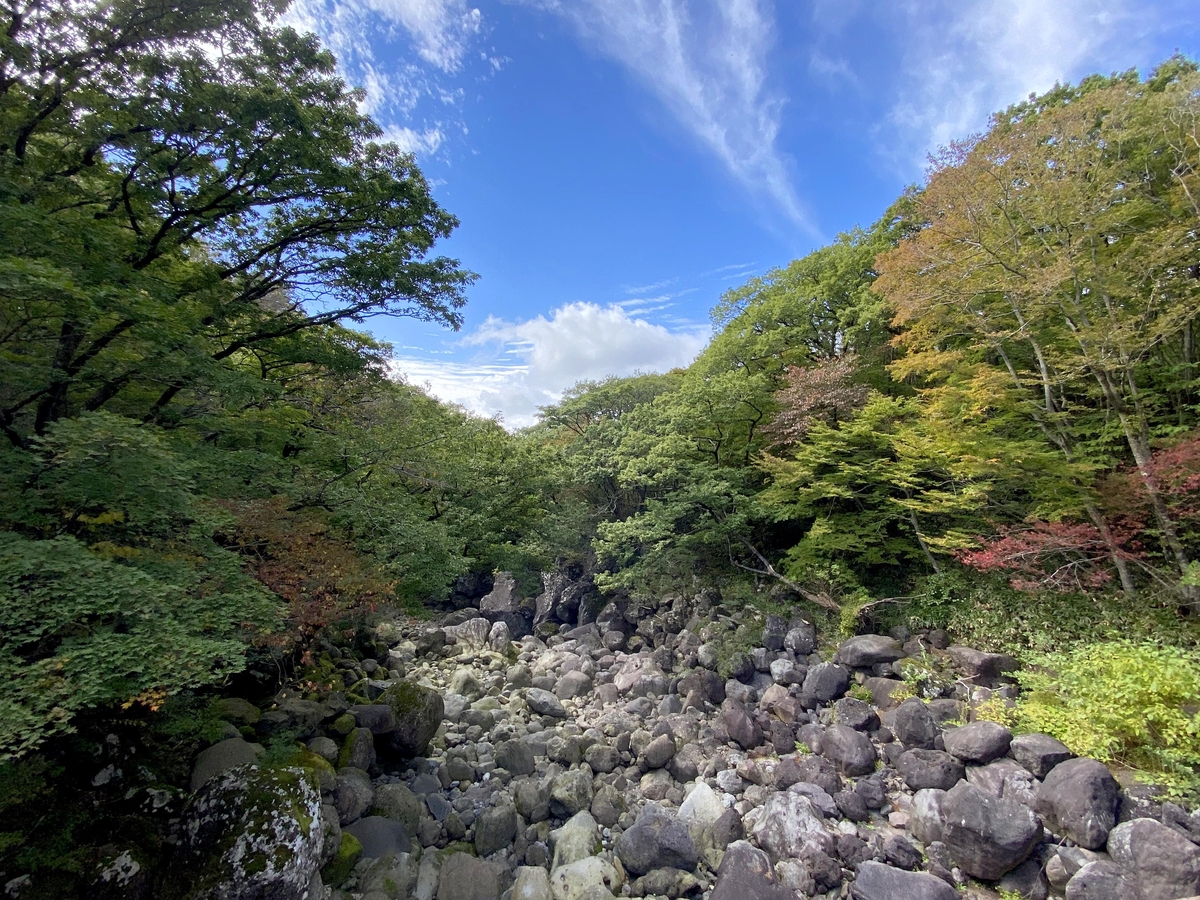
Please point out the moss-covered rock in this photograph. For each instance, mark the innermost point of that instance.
(419, 711)
(251, 832)
(338, 869)
(318, 765)
(342, 725)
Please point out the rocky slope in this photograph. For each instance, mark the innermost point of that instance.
(560, 749)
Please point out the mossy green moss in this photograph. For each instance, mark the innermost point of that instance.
(338, 869)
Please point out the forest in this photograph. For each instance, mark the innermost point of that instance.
(980, 412)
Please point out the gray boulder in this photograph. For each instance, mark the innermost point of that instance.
(353, 794)
(876, 881)
(741, 725)
(419, 711)
(504, 604)
(866, 650)
(1164, 864)
(1101, 880)
(495, 828)
(924, 769)
(570, 793)
(985, 668)
(545, 703)
(801, 639)
(251, 833)
(221, 757)
(464, 877)
(657, 839)
(826, 682)
(987, 836)
(913, 724)
(851, 751)
(516, 757)
(1078, 800)
(380, 836)
(746, 873)
(1039, 753)
(787, 826)
(978, 743)
(926, 821)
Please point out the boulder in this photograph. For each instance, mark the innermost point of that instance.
(1101, 880)
(495, 828)
(516, 757)
(578, 839)
(397, 802)
(1039, 753)
(867, 650)
(593, 878)
(380, 836)
(774, 633)
(532, 883)
(505, 604)
(926, 821)
(922, 769)
(851, 751)
(987, 836)
(979, 742)
(876, 881)
(746, 873)
(658, 752)
(353, 794)
(826, 682)
(913, 724)
(570, 792)
(655, 840)
(358, 749)
(741, 725)
(464, 877)
(786, 826)
(544, 703)
(985, 668)
(1164, 864)
(221, 757)
(855, 714)
(1078, 800)
(250, 833)
(419, 711)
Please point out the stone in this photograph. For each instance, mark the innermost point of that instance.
(984, 668)
(570, 792)
(593, 878)
(655, 840)
(236, 710)
(925, 818)
(1027, 881)
(913, 724)
(352, 794)
(851, 751)
(378, 717)
(221, 757)
(516, 757)
(544, 703)
(338, 869)
(578, 839)
(324, 747)
(900, 852)
(923, 769)
(979, 742)
(608, 805)
(826, 682)
(882, 691)
(1187, 824)
(855, 714)
(801, 639)
(866, 650)
(1039, 753)
(602, 758)
(390, 876)
(746, 873)
(786, 826)
(505, 604)
(397, 802)
(572, 685)
(1005, 778)
(640, 675)
(876, 881)
(741, 725)
(656, 784)
(358, 750)
(815, 770)
(418, 711)
(495, 828)
(1100, 880)
(251, 832)
(774, 633)
(1163, 863)
(987, 836)
(532, 799)
(1078, 800)
(464, 877)
(658, 752)
(531, 883)
(379, 836)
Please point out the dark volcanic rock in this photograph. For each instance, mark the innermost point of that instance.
(1079, 800)
(876, 881)
(987, 836)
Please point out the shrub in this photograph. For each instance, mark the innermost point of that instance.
(1132, 704)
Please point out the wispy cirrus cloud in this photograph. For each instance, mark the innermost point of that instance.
(706, 62)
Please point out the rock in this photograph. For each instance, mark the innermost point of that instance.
(741, 725)
(389, 876)
(913, 724)
(1039, 753)
(397, 802)
(659, 752)
(358, 750)
(1027, 881)
(570, 793)
(378, 717)
(640, 675)
(700, 812)
(1100, 880)
(379, 836)
(1164, 864)
(418, 712)
(237, 711)
(463, 877)
(786, 826)
(545, 703)
(504, 604)
(866, 650)
(655, 840)
(495, 828)
(855, 714)
(602, 758)
(578, 839)
(608, 805)
(1187, 824)
(352, 794)
(814, 770)
(985, 668)
(774, 633)
(987, 836)
(851, 806)
(324, 747)
(338, 869)
(926, 821)
(826, 682)
(532, 883)
(251, 833)
(656, 784)
(801, 639)
(746, 873)
(882, 690)
(1005, 778)
(593, 878)
(924, 769)
(704, 682)
(666, 882)
(979, 743)
(876, 881)
(572, 685)
(516, 757)
(1079, 800)
(851, 751)
(532, 799)
(221, 757)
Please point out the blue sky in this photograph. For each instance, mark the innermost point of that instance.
(618, 164)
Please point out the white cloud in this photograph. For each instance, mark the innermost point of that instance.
(965, 59)
(706, 62)
(411, 141)
(529, 364)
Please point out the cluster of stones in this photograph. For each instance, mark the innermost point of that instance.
(508, 754)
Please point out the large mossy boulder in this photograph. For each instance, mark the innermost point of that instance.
(419, 711)
(252, 833)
